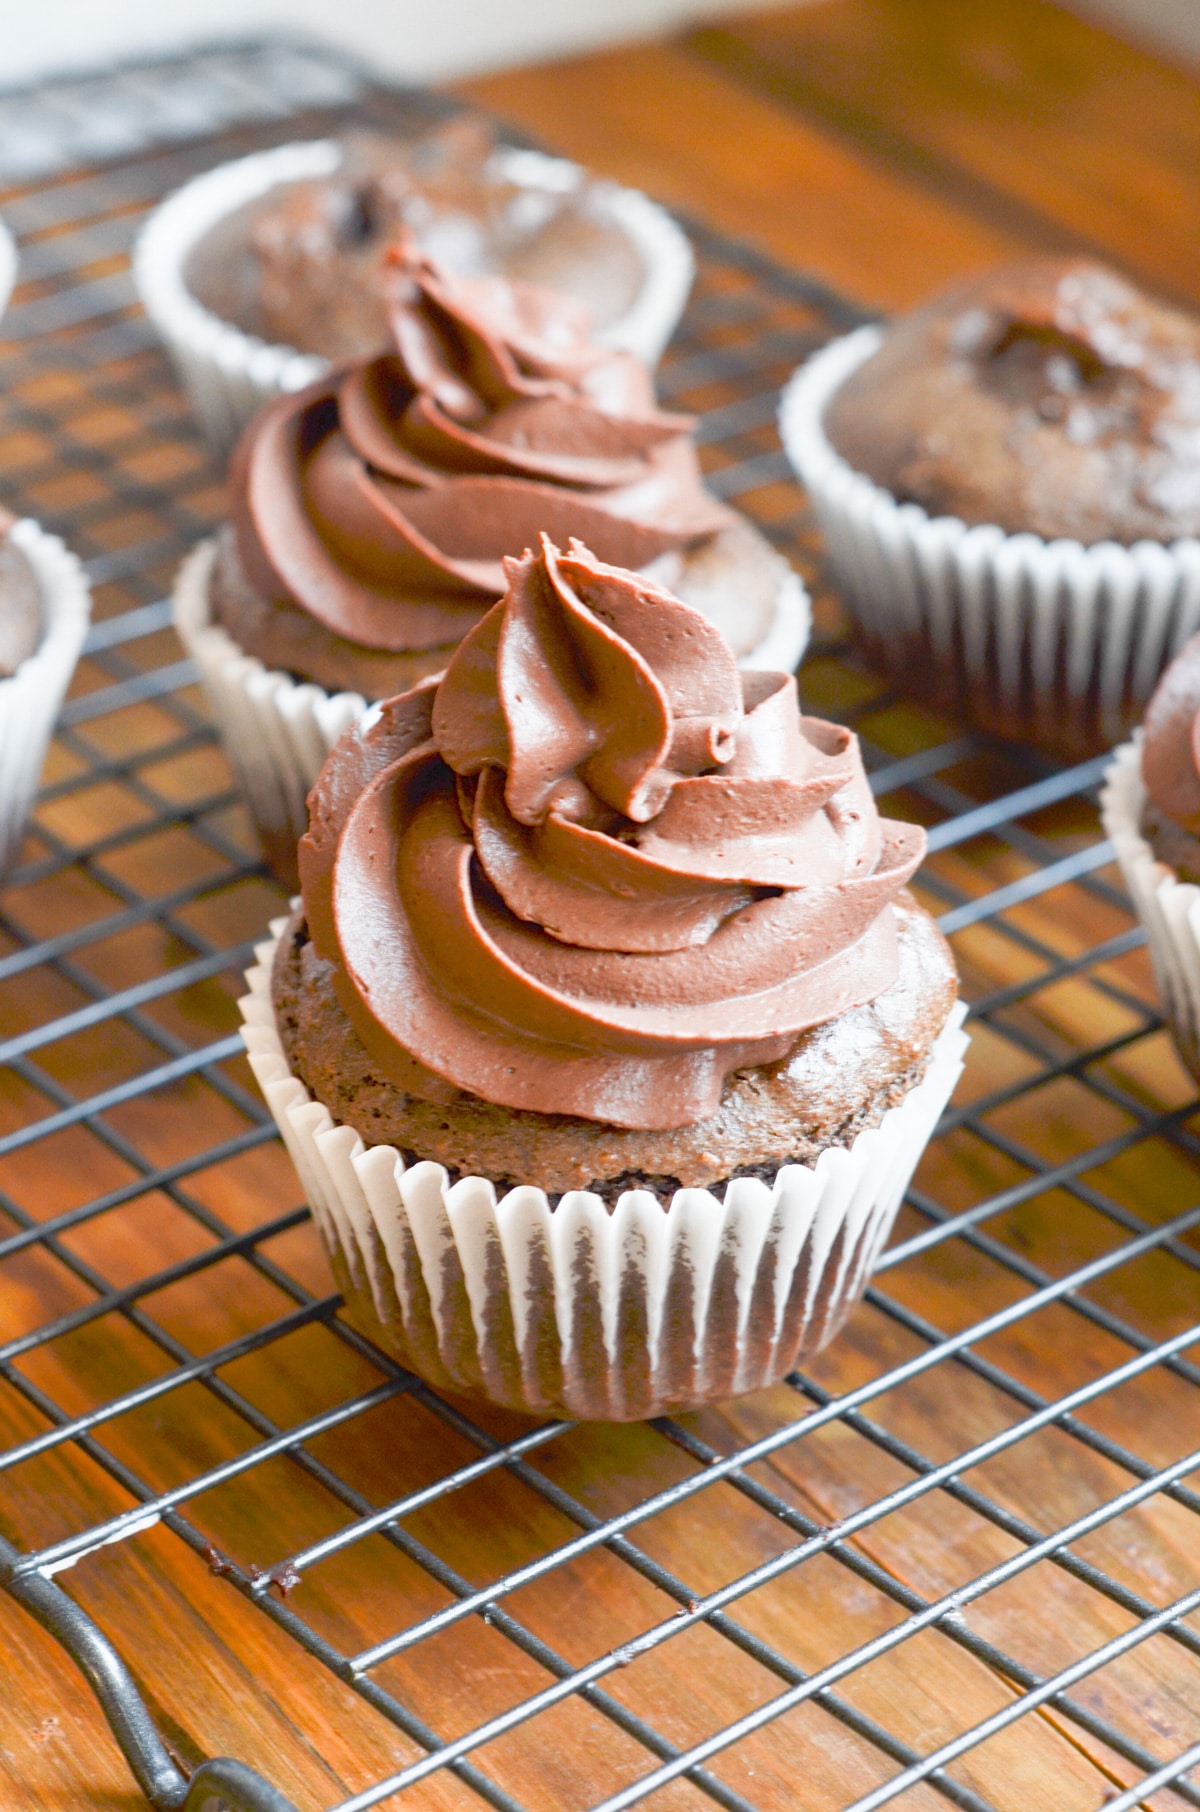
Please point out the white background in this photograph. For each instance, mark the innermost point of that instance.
(418, 38)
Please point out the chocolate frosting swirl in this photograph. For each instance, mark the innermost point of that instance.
(594, 868)
(383, 498)
(1171, 744)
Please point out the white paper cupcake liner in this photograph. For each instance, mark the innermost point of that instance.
(8, 265)
(30, 699)
(278, 730)
(1168, 908)
(1020, 627)
(575, 1310)
(228, 373)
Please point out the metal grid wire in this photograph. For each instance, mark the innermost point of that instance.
(995, 1458)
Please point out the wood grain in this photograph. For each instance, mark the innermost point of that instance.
(662, 118)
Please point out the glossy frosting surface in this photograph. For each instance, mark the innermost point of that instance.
(594, 869)
(382, 499)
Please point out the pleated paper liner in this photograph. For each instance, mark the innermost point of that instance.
(578, 1311)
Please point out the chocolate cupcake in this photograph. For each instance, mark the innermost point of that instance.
(261, 271)
(1009, 485)
(600, 923)
(371, 512)
(44, 609)
(1150, 806)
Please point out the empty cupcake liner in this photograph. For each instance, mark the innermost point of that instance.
(229, 373)
(575, 1310)
(1019, 628)
(278, 730)
(31, 698)
(1168, 907)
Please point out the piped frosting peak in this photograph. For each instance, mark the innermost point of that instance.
(383, 498)
(594, 868)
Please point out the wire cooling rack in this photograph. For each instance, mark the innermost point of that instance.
(958, 1562)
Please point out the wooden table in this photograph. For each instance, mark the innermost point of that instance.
(886, 146)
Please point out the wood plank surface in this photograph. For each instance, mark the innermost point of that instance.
(1034, 120)
(723, 126)
(665, 119)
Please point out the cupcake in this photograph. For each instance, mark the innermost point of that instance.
(1150, 807)
(261, 271)
(371, 513)
(1009, 485)
(604, 1035)
(44, 609)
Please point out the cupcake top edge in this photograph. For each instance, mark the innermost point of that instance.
(1048, 395)
(594, 869)
(299, 262)
(380, 501)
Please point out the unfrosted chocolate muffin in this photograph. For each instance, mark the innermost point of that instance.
(21, 619)
(304, 265)
(1048, 396)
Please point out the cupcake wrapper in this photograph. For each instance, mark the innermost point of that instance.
(1167, 907)
(8, 265)
(576, 1311)
(278, 731)
(229, 374)
(1025, 626)
(30, 699)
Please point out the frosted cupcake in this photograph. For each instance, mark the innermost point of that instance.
(371, 513)
(604, 1037)
(261, 271)
(1150, 807)
(1009, 485)
(44, 608)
